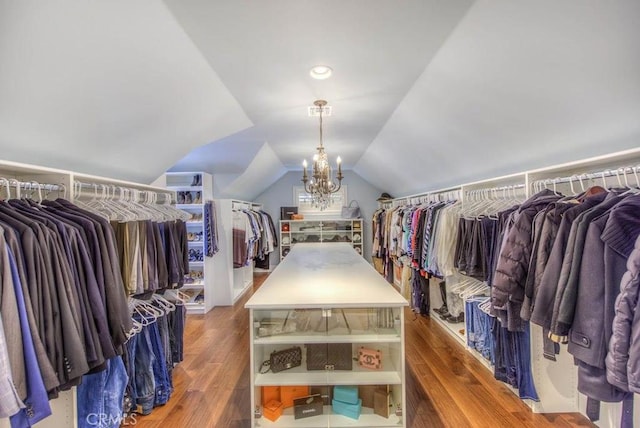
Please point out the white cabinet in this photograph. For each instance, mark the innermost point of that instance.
(325, 293)
(327, 230)
(192, 190)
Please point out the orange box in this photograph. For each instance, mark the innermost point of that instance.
(289, 393)
(270, 393)
(272, 410)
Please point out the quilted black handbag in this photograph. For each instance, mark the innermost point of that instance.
(283, 360)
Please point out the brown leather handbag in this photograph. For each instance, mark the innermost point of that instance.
(329, 356)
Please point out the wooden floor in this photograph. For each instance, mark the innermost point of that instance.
(446, 386)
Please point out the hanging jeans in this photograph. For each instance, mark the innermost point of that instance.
(145, 384)
(129, 357)
(513, 360)
(162, 383)
(177, 320)
(101, 396)
(478, 324)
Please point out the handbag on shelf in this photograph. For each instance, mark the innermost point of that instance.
(369, 358)
(282, 360)
(329, 356)
(351, 210)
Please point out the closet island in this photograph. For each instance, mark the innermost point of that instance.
(326, 294)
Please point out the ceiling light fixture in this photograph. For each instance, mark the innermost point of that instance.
(321, 186)
(321, 72)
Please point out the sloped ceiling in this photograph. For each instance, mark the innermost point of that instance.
(518, 85)
(112, 88)
(264, 170)
(425, 93)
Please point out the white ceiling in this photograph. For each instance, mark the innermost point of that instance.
(425, 93)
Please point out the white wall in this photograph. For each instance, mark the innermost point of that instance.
(280, 194)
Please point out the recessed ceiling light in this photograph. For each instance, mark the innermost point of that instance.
(321, 72)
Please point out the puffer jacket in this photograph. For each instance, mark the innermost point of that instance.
(515, 254)
(622, 360)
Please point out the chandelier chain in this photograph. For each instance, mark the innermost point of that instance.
(322, 185)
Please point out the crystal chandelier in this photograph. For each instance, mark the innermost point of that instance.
(321, 186)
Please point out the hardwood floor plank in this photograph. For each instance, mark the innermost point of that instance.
(446, 386)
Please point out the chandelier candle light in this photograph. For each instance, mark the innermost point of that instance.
(320, 187)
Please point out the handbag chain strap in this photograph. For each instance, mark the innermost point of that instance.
(265, 367)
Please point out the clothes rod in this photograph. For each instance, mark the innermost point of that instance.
(440, 195)
(114, 191)
(500, 192)
(621, 174)
(31, 186)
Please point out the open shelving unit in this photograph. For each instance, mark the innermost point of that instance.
(312, 289)
(192, 190)
(294, 232)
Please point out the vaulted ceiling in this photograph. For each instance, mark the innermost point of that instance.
(425, 93)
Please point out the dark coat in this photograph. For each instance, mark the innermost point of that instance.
(515, 254)
(618, 360)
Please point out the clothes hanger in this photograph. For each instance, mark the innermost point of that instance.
(143, 316)
(7, 188)
(178, 297)
(169, 211)
(163, 303)
(96, 204)
(486, 307)
(466, 281)
(473, 290)
(148, 313)
(16, 184)
(37, 186)
(64, 190)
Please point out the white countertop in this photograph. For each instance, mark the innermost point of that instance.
(325, 275)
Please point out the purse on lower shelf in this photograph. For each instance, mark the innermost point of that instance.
(283, 360)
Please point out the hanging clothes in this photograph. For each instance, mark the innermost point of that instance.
(63, 300)
(254, 236)
(210, 229)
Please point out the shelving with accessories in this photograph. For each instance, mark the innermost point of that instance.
(337, 336)
(327, 230)
(193, 189)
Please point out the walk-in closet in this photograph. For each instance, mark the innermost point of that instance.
(355, 213)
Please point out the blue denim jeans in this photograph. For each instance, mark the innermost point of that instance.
(101, 395)
(165, 341)
(144, 361)
(163, 387)
(526, 387)
(176, 330)
(129, 358)
(478, 324)
(513, 360)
